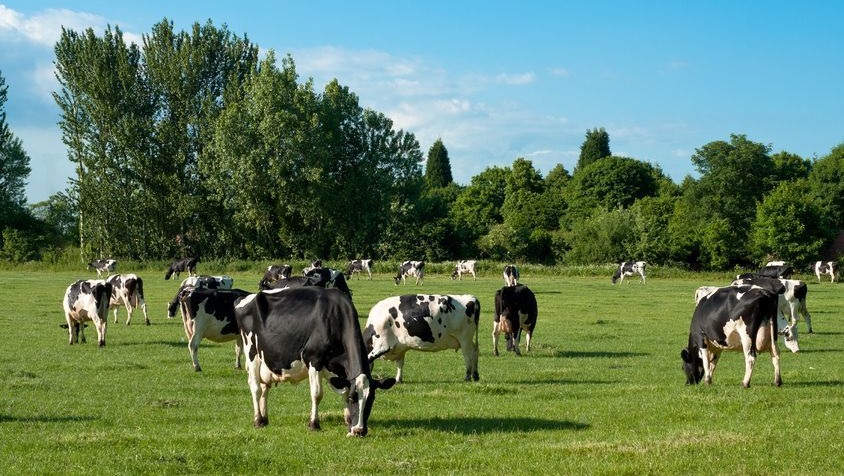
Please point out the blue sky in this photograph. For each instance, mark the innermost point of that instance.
(499, 80)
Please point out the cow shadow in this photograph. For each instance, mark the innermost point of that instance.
(45, 419)
(830, 383)
(575, 354)
(477, 425)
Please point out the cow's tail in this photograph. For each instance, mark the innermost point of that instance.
(477, 316)
(169, 273)
(140, 294)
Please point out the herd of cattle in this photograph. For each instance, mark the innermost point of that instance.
(305, 326)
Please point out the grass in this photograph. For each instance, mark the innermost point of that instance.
(601, 392)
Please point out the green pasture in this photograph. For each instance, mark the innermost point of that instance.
(602, 392)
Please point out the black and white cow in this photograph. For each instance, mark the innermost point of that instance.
(426, 322)
(776, 269)
(182, 265)
(293, 334)
(127, 290)
(359, 266)
(732, 318)
(314, 264)
(411, 268)
(209, 314)
(103, 266)
(511, 275)
(87, 300)
(274, 273)
(464, 267)
(515, 311)
(193, 282)
(330, 278)
(823, 268)
(629, 268)
(792, 300)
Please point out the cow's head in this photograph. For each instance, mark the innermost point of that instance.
(692, 365)
(359, 396)
(789, 336)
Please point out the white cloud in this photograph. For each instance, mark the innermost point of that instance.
(516, 79)
(45, 28)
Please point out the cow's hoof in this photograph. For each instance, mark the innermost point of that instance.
(197, 369)
(148, 323)
(314, 426)
(476, 377)
(260, 422)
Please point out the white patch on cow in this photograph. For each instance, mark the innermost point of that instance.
(245, 301)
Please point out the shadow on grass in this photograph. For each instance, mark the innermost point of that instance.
(475, 425)
(596, 353)
(829, 383)
(44, 419)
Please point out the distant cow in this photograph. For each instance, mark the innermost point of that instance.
(426, 322)
(316, 277)
(314, 333)
(314, 264)
(193, 282)
(731, 318)
(127, 290)
(783, 270)
(209, 314)
(511, 275)
(87, 300)
(274, 273)
(359, 266)
(103, 266)
(823, 268)
(411, 268)
(629, 268)
(515, 311)
(182, 265)
(464, 267)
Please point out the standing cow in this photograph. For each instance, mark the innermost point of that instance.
(511, 275)
(193, 282)
(359, 266)
(182, 265)
(515, 311)
(823, 268)
(87, 300)
(629, 268)
(411, 268)
(103, 266)
(464, 267)
(127, 290)
(209, 314)
(293, 334)
(426, 322)
(732, 318)
(274, 273)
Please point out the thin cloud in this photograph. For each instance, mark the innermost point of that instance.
(516, 79)
(45, 28)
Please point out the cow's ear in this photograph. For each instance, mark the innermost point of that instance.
(339, 383)
(384, 384)
(685, 355)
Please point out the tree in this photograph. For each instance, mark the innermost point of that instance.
(826, 182)
(14, 166)
(478, 207)
(438, 166)
(595, 147)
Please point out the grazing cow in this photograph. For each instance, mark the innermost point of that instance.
(313, 265)
(103, 266)
(330, 278)
(511, 275)
(87, 300)
(782, 271)
(274, 273)
(359, 266)
(193, 282)
(181, 265)
(411, 268)
(424, 322)
(209, 314)
(464, 267)
(792, 301)
(515, 311)
(732, 318)
(314, 333)
(629, 268)
(127, 290)
(825, 267)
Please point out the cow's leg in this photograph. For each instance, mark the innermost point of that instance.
(749, 348)
(470, 358)
(238, 351)
(128, 303)
(316, 396)
(259, 392)
(144, 309)
(775, 354)
(804, 311)
(399, 368)
(710, 359)
(115, 313)
(72, 330)
(528, 335)
(101, 324)
(193, 346)
(495, 331)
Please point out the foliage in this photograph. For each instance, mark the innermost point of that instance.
(595, 147)
(606, 236)
(438, 166)
(14, 166)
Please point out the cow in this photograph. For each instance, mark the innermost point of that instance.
(293, 334)
(732, 318)
(359, 266)
(515, 311)
(87, 300)
(314, 264)
(464, 267)
(209, 314)
(103, 266)
(330, 278)
(629, 268)
(203, 281)
(783, 270)
(181, 265)
(411, 268)
(511, 275)
(274, 273)
(792, 300)
(127, 290)
(825, 267)
(426, 322)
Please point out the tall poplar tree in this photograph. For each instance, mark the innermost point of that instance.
(438, 167)
(596, 146)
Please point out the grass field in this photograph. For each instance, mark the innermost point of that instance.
(602, 392)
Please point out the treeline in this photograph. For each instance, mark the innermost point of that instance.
(192, 144)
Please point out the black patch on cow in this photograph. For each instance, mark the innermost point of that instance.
(413, 313)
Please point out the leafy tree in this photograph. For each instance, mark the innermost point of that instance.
(826, 182)
(14, 167)
(595, 147)
(790, 167)
(438, 166)
(651, 218)
(477, 208)
(605, 237)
